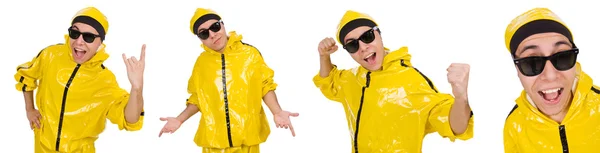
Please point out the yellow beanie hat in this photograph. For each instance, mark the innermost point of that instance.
(352, 20)
(534, 21)
(200, 16)
(93, 17)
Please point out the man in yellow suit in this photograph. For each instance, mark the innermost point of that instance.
(228, 83)
(557, 111)
(76, 93)
(390, 106)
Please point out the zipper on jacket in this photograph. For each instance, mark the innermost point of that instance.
(563, 138)
(224, 78)
(62, 107)
(362, 98)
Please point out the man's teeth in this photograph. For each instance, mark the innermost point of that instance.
(550, 91)
(369, 56)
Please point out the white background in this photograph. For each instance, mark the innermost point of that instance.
(287, 33)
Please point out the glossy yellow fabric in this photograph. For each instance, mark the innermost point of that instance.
(531, 15)
(400, 105)
(197, 14)
(93, 95)
(241, 75)
(350, 15)
(241, 149)
(96, 14)
(528, 130)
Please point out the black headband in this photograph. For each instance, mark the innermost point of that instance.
(353, 25)
(92, 22)
(203, 19)
(535, 27)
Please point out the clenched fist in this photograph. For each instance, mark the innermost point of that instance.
(327, 46)
(458, 77)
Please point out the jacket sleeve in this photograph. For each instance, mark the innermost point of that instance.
(267, 74)
(193, 99)
(331, 86)
(439, 115)
(509, 138)
(117, 104)
(194, 84)
(192, 90)
(30, 72)
(439, 120)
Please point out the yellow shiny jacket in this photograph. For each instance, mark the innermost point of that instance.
(528, 130)
(74, 99)
(393, 109)
(228, 88)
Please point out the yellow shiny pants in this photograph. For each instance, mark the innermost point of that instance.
(242, 149)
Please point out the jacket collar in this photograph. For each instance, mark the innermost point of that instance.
(233, 42)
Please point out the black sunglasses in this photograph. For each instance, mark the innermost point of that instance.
(534, 65)
(215, 27)
(366, 38)
(87, 37)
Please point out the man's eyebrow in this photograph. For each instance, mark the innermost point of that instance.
(348, 40)
(528, 47)
(202, 29)
(562, 42)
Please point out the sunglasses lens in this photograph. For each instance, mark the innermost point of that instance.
(88, 37)
(368, 36)
(74, 34)
(564, 60)
(215, 27)
(531, 66)
(351, 46)
(203, 34)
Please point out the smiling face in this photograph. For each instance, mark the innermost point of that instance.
(550, 90)
(83, 51)
(216, 40)
(369, 55)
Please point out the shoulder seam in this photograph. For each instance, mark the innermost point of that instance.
(597, 91)
(47, 47)
(402, 63)
(511, 111)
(427, 79)
(38, 55)
(423, 75)
(252, 47)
